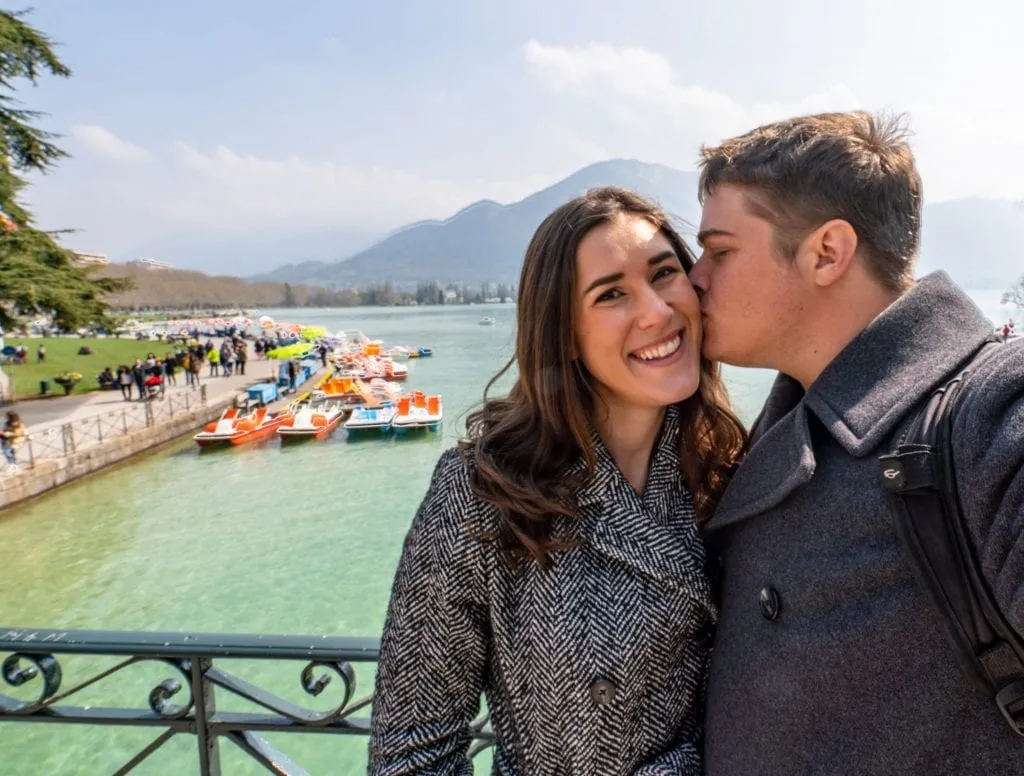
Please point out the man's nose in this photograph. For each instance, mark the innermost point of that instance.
(699, 278)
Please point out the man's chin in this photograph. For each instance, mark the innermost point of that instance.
(720, 355)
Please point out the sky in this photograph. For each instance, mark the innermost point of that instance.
(216, 119)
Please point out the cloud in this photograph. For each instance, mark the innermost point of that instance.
(106, 144)
(645, 91)
(657, 116)
(628, 72)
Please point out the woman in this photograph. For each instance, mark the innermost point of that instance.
(555, 563)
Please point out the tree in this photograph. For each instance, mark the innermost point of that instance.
(37, 275)
(1015, 294)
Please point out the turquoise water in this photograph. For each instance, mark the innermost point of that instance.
(302, 539)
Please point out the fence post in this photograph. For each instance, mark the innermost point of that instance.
(124, 420)
(69, 439)
(202, 393)
(31, 455)
(149, 414)
(170, 406)
(99, 428)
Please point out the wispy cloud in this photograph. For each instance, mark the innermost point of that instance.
(104, 143)
(641, 89)
(656, 115)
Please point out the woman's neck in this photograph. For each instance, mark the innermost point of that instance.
(629, 433)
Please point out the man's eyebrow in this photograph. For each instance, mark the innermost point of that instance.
(704, 235)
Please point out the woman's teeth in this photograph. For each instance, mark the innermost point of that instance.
(659, 351)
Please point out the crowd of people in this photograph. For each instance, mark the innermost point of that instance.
(149, 378)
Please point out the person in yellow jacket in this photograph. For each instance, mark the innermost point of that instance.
(214, 358)
(12, 436)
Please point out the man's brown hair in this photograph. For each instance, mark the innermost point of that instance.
(805, 171)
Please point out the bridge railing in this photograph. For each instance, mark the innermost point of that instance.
(186, 702)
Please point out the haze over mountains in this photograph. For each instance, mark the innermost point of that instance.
(980, 242)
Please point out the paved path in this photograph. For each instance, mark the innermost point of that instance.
(40, 414)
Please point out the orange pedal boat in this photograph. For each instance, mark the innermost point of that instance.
(235, 428)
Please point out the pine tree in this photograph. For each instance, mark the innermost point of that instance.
(37, 275)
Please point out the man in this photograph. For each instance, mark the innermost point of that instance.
(829, 658)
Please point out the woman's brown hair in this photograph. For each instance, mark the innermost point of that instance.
(524, 443)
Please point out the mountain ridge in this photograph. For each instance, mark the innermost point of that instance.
(978, 241)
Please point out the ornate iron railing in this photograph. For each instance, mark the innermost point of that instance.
(186, 702)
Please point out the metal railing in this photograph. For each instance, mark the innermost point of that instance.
(186, 703)
(65, 439)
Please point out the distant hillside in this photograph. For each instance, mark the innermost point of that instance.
(979, 242)
(484, 243)
(172, 288)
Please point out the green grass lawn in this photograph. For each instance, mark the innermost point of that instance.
(62, 356)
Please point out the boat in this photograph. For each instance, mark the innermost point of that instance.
(346, 390)
(487, 321)
(368, 418)
(424, 353)
(237, 428)
(395, 372)
(314, 419)
(418, 411)
(382, 390)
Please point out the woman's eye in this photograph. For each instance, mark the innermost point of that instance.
(610, 294)
(664, 272)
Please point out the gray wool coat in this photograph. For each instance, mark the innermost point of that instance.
(828, 658)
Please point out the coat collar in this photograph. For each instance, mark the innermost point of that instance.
(655, 535)
(896, 361)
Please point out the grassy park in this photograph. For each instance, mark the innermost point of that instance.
(62, 356)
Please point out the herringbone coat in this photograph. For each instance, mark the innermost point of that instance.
(595, 666)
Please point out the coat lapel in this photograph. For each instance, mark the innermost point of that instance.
(780, 460)
(655, 534)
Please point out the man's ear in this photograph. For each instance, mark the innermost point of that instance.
(827, 253)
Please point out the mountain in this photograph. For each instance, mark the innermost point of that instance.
(184, 289)
(485, 242)
(979, 242)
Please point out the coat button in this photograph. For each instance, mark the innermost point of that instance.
(771, 604)
(603, 692)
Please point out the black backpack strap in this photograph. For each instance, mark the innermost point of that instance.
(919, 473)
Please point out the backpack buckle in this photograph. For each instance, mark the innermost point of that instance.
(1010, 701)
(912, 468)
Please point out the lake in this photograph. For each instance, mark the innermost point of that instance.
(265, 539)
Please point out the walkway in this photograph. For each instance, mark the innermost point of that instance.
(40, 414)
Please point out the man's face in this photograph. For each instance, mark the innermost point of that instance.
(750, 296)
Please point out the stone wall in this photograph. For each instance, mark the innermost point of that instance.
(48, 474)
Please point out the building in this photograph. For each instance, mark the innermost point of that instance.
(85, 259)
(148, 263)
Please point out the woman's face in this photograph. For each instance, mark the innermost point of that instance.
(637, 316)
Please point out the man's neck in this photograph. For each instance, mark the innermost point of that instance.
(830, 329)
